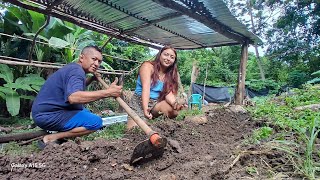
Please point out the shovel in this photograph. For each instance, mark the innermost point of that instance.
(148, 149)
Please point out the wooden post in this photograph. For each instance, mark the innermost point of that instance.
(120, 82)
(204, 85)
(240, 91)
(194, 75)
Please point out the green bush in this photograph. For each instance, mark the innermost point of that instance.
(297, 78)
(15, 89)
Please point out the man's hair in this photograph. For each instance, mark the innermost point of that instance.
(85, 49)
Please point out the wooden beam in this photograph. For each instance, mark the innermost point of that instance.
(204, 19)
(240, 91)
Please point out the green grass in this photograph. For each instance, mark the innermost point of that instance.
(303, 127)
(114, 131)
(15, 121)
(188, 112)
(260, 134)
(14, 149)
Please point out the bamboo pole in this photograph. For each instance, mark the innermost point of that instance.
(53, 66)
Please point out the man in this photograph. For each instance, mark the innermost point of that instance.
(59, 104)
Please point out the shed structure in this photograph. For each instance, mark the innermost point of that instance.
(184, 24)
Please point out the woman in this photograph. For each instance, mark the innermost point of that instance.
(157, 85)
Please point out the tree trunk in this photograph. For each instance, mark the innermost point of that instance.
(22, 136)
(262, 75)
(204, 85)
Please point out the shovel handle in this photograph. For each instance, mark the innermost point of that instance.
(154, 136)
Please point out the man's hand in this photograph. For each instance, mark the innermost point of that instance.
(114, 90)
(89, 80)
(96, 74)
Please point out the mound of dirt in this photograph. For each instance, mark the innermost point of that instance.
(208, 151)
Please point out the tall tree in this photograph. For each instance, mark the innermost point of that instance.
(250, 8)
(295, 37)
(257, 17)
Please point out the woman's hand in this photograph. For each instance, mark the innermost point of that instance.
(147, 113)
(177, 105)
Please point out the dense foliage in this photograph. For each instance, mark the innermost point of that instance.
(290, 32)
(291, 130)
(59, 42)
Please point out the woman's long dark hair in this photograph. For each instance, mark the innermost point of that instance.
(171, 75)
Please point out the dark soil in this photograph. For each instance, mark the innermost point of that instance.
(209, 151)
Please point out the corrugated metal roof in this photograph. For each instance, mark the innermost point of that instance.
(184, 24)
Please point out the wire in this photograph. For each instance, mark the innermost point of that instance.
(19, 37)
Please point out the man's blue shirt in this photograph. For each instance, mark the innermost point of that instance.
(51, 109)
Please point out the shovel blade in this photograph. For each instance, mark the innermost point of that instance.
(146, 151)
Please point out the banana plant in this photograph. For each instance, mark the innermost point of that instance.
(14, 90)
(316, 79)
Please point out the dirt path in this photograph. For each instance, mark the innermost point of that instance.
(208, 150)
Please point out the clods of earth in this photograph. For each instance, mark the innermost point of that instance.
(208, 147)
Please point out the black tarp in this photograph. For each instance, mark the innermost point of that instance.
(222, 94)
(212, 94)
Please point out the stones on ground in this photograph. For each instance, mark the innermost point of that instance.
(85, 145)
(199, 119)
(113, 163)
(165, 163)
(168, 177)
(237, 109)
(175, 145)
(127, 167)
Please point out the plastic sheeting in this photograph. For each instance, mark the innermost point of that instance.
(223, 94)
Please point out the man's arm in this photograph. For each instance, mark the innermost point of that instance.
(82, 97)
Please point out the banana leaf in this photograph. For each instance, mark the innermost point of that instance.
(13, 103)
(6, 73)
(18, 86)
(31, 79)
(6, 90)
(58, 43)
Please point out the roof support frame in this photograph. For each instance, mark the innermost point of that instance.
(198, 11)
(119, 8)
(84, 23)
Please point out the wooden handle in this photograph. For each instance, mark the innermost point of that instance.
(133, 115)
